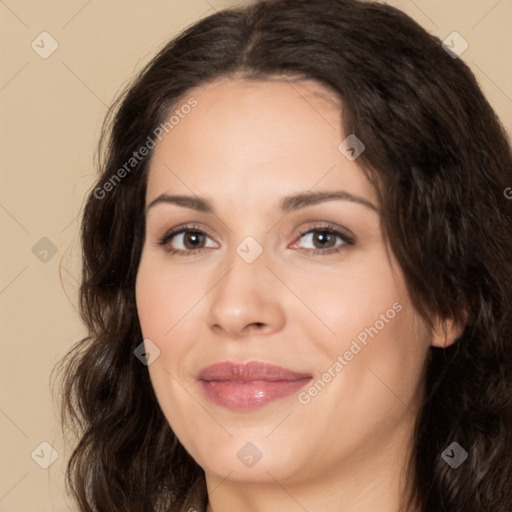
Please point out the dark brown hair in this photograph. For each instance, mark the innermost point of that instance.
(440, 161)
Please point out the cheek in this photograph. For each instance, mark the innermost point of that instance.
(380, 337)
(383, 362)
(353, 298)
(163, 297)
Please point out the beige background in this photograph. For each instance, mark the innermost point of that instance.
(51, 113)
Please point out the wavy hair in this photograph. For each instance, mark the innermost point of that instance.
(440, 162)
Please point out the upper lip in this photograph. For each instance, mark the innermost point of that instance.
(245, 372)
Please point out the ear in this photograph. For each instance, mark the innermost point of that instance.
(446, 331)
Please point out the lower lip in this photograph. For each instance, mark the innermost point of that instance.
(244, 396)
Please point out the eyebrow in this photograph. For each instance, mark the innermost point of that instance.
(286, 205)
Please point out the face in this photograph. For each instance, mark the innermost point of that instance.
(287, 341)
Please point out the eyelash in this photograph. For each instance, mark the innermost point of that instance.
(327, 228)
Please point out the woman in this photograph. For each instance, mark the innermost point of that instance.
(297, 276)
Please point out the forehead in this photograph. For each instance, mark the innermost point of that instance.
(256, 138)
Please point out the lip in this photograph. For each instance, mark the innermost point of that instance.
(247, 386)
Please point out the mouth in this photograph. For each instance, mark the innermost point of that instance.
(247, 386)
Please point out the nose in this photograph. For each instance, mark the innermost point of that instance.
(246, 300)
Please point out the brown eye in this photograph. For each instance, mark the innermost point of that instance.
(193, 239)
(188, 239)
(324, 240)
(185, 241)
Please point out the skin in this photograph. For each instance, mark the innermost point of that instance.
(243, 147)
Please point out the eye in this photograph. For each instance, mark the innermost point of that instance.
(190, 240)
(323, 238)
